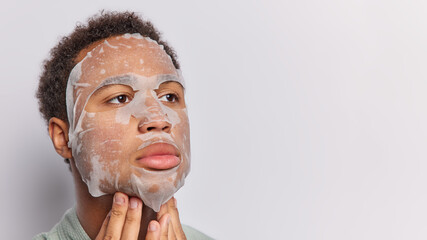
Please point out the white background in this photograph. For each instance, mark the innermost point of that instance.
(308, 118)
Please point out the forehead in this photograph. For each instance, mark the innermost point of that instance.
(124, 54)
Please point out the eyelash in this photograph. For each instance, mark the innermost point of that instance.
(175, 97)
(119, 99)
(116, 100)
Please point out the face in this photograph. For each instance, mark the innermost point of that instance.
(129, 128)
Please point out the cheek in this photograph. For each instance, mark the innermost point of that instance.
(103, 142)
(181, 134)
(182, 131)
(104, 133)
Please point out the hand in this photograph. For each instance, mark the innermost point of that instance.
(124, 221)
(175, 229)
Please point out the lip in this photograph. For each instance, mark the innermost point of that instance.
(158, 156)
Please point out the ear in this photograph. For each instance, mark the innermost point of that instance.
(58, 132)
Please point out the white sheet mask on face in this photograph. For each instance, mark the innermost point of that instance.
(106, 145)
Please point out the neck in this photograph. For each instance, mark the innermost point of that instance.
(92, 211)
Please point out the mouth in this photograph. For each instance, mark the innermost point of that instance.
(158, 156)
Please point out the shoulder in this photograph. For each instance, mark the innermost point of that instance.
(68, 228)
(193, 234)
(52, 235)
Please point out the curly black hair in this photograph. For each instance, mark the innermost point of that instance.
(56, 69)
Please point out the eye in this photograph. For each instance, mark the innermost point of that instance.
(169, 98)
(119, 99)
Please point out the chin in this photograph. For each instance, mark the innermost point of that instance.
(154, 188)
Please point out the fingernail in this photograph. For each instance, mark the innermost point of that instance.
(152, 227)
(174, 201)
(133, 203)
(119, 199)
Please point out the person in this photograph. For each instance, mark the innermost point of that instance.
(113, 98)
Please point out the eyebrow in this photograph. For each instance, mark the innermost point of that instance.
(131, 80)
(122, 80)
(167, 78)
(172, 81)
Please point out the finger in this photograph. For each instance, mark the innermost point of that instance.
(176, 223)
(101, 232)
(133, 219)
(118, 215)
(164, 226)
(171, 232)
(163, 210)
(153, 232)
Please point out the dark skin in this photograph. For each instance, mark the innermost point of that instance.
(123, 222)
(116, 216)
(92, 211)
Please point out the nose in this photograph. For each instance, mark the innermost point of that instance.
(152, 118)
(156, 126)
